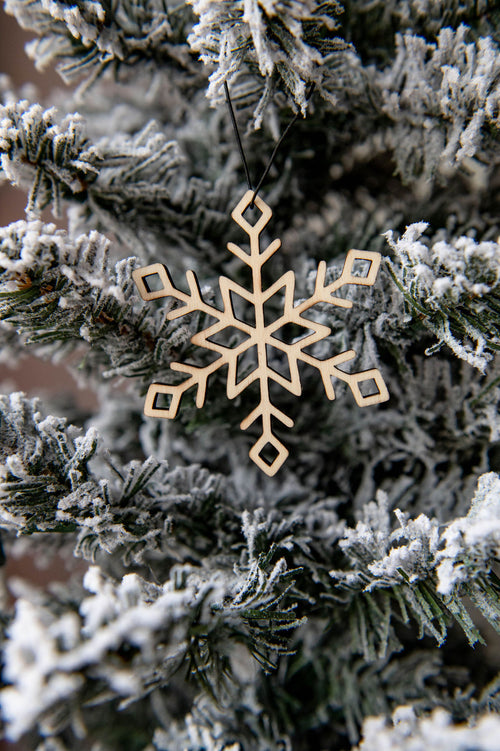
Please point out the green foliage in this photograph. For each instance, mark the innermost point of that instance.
(148, 516)
(453, 288)
(85, 39)
(46, 471)
(56, 160)
(60, 294)
(49, 485)
(132, 185)
(286, 46)
(399, 575)
(226, 610)
(43, 461)
(122, 625)
(371, 25)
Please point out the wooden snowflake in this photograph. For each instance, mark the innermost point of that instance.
(260, 335)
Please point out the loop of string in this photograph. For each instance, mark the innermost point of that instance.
(274, 152)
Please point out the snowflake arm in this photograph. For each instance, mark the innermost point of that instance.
(260, 336)
(323, 293)
(192, 302)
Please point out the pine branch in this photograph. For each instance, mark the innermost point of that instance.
(428, 733)
(458, 118)
(50, 485)
(149, 514)
(371, 25)
(453, 289)
(209, 726)
(334, 691)
(359, 693)
(35, 448)
(54, 479)
(60, 295)
(134, 637)
(133, 508)
(84, 40)
(420, 571)
(432, 107)
(285, 47)
(132, 185)
(42, 462)
(55, 160)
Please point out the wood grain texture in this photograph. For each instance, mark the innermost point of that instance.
(260, 335)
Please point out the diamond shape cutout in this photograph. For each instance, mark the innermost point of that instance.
(153, 281)
(265, 214)
(380, 395)
(262, 446)
(353, 258)
(158, 394)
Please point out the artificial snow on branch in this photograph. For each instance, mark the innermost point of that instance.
(224, 609)
(443, 99)
(59, 294)
(397, 567)
(287, 44)
(420, 571)
(131, 637)
(453, 288)
(55, 479)
(130, 184)
(50, 484)
(407, 729)
(87, 38)
(54, 160)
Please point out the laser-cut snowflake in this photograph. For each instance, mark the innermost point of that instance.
(260, 335)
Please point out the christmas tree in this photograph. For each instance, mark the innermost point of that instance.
(336, 588)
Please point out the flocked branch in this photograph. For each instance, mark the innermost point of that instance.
(453, 288)
(84, 40)
(60, 294)
(132, 185)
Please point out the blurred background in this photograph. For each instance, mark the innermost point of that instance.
(20, 69)
(33, 376)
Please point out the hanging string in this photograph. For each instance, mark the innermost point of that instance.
(237, 134)
(276, 147)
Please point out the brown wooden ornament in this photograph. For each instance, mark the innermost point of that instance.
(261, 335)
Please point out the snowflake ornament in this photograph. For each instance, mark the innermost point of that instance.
(261, 336)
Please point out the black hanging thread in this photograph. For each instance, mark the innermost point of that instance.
(275, 150)
(238, 139)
